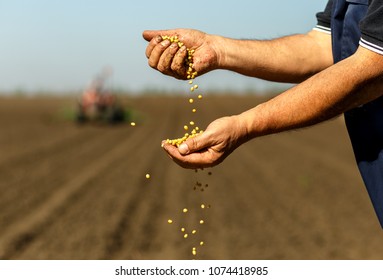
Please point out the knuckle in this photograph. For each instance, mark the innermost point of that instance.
(152, 63)
(175, 67)
(161, 68)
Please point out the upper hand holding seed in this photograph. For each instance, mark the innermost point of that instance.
(169, 58)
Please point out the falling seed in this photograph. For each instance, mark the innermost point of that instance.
(194, 110)
(170, 221)
(201, 243)
(194, 231)
(201, 222)
(186, 127)
(194, 251)
(183, 229)
(147, 176)
(203, 206)
(185, 210)
(191, 100)
(191, 123)
(133, 124)
(186, 235)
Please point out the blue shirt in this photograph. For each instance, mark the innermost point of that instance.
(354, 23)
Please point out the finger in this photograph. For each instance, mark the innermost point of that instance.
(157, 52)
(178, 63)
(200, 159)
(195, 144)
(152, 44)
(165, 62)
(150, 34)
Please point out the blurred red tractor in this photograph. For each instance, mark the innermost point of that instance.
(99, 104)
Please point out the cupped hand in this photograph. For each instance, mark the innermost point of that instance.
(211, 147)
(169, 58)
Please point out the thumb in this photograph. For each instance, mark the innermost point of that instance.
(150, 34)
(194, 144)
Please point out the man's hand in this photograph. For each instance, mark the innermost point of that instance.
(169, 58)
(212, 146)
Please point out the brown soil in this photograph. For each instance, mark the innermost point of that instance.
(73, 191)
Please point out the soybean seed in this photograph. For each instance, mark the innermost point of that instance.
(191, 100)
(133, 124)
(170, 221)
(147, 176)
(185, 210)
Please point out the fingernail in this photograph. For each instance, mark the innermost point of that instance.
(165, 43)
(183, 149)
(163, 143)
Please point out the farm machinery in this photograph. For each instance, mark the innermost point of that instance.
(98, 104)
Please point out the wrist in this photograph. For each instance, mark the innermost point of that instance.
(253, 122)
(219, 46)
(243, 127)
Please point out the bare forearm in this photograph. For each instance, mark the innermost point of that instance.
(288, 59)
(348, 84)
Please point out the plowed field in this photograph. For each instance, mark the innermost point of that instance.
(71, 191)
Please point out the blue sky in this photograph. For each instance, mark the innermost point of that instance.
(56, 45)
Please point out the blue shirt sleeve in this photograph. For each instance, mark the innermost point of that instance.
(372, 27)
(324, 18)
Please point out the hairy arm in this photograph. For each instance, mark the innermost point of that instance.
(339, 88)
(291, 59)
